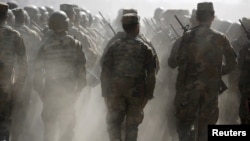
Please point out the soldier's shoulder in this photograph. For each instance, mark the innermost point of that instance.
(72, 39)
(144, 44)
(11, 31)
(218, 33)
(117, 42)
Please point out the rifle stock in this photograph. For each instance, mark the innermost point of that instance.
(244, 28)
(185, 28)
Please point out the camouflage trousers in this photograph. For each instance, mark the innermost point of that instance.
(5, 116)
(195, 110)
(244, 109)
(58, 113)
(125, 107)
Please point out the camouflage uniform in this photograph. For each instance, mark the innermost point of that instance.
(13, 59)
(244, 84)
(34, 15)
(199, 60)
(63, 61)
(30, 37)
(127, 81)
(31, 41)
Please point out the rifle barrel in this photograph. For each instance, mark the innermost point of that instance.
(107, 23)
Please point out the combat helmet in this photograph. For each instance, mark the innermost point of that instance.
(33, 12)
(19, 15)
(12, 4)
(58, 21)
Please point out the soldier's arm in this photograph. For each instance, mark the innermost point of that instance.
(81, 66)
(172, 60)
(22, 66)
(230, 58)
(151, 73)
(106, 72)
(38, 72)
(242, 53)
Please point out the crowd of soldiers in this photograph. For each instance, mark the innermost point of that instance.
(192, 63)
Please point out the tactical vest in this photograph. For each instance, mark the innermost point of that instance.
(59, 57)
(128, 58)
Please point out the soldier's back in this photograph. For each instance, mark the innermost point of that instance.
(129, 57)
(60, 51)
(204, 50)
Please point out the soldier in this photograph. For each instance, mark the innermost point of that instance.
(43, 20)
(244, 84)
(91, 55)
(11, 18)
(31, 42)
(199, 59)
(30, 37)
(122, 34)
(127, 80)
(244, 74)
(34, 14)
(12, 5)
(13, 71)
(50, 9)
(60, 75)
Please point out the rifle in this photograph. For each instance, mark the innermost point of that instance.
(153, 23)
(185, 28)
(151, 26)
(36, 25)
(222, 84)
(107, 23)
(244, 28)
(174, 30)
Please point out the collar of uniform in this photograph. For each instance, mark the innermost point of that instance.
(204, 25)
(61, 32)
(131, 36)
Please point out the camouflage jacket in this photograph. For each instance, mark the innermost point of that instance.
(121, 35)
(61, 57)
(128, 57)
(12, 58)
(31, 40)
(202, 56)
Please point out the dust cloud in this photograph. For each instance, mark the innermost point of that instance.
(158, 123)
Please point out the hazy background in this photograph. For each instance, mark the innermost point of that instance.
(90, 107)
(225, 9)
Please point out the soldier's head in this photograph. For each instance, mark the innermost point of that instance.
(130, 23)
(44, 14)
(20, 15)
(205, 12)
(58, 21)
(69, 9)
(26, 18)
(33, 12)
(12, 4)
(50, 9)
(3, 12)
(11, 18)
(158, 13)
(78, 15)
(84, 18)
